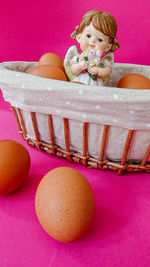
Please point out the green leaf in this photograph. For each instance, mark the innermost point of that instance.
(101, 65)
(86, 58)
(77, 59)
(92, 76)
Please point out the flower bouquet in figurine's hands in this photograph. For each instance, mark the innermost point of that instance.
(93, 57)
(96, 35)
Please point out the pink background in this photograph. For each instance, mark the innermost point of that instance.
(32, 27)
(120, 234)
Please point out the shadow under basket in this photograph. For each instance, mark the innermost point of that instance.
(99, 127)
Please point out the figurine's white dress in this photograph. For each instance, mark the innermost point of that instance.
(84, 77)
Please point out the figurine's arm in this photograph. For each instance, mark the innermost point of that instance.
(77, 68)
(100, 72)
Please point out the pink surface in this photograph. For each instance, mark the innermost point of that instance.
(120, 234)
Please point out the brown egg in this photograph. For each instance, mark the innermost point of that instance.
(14, 165)
(52, 59)
(134, 81)
(64, 204)
(76, 82)
(48, 71)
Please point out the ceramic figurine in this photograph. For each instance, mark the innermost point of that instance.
(96, 35)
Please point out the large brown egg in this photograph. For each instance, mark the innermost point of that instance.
(14, 165)
(48, 71)
(64, 204)
(52, 59)
(134, 81)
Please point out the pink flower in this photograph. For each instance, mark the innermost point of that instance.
(91, 53)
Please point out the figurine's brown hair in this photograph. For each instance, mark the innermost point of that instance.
(101, 21)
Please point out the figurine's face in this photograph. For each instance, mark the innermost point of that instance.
(91, 38)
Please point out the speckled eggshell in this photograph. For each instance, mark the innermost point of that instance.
(49, 72)
(134, 81)
(64, 204)
(52, 59)
(14, 165)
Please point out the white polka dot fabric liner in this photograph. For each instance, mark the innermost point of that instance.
(81, 92)
(131, 112)
(121, 109)
(98, 107)
(115, 96)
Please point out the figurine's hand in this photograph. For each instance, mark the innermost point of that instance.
(77, 68)
(83, 65)
(93, 70)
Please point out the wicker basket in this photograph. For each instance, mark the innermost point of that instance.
(100, 127)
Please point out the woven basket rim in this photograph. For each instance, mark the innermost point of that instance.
(20, 79)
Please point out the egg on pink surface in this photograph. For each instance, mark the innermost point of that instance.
(64, 204)
(14, 165)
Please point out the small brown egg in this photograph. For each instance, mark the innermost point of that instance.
(14, 165)
(76, 82)
(48, 71)
(52, 59)
(134, 81)
(64, 204)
